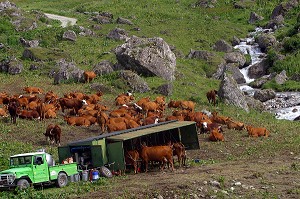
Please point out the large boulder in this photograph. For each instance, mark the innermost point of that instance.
(230, 92)
(103, 67)
(233, 70)
(135, 82)
(265, 41)
(67, 71)
(222, 46)
(264, 95)
(12, 66)
(147, 56)
(235, 57)
(259, 69)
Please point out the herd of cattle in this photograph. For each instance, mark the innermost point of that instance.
(81, 109)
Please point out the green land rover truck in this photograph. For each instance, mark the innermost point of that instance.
(35, 169)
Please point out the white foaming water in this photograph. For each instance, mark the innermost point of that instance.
(248, 46)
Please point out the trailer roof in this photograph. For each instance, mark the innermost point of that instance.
(136, 132)
(147, 131)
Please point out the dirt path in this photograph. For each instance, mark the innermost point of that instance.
(65, 21)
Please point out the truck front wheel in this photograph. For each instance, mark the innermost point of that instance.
(23, 184)
(62, 180)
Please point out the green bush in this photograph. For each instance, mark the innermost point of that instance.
(291, 44)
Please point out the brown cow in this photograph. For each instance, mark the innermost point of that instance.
(218, 118)
(179, 151)
(234, 125)
(3, 112)
(150, 106)
(77, 121)
(211, 96)
(157, 153)
(74, 104)
(89, 76)
(257, 131)
(25, 114)
(13, 111)
(50, 114)
(208, 127)
(102, 120)
(33, 90)
(187, 105)
(174, 104)
(131, 158)
(215, 135)
(116, 126)
(53, 134)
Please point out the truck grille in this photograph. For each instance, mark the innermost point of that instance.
(6, 179)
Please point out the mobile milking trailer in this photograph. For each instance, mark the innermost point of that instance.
(110, 148)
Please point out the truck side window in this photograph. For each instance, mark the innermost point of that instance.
(38, 160)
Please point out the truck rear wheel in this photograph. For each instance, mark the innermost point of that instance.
(23, 184)
(62, 180)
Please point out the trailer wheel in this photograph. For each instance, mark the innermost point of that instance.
(62, 180)
(104, 171)
(23, 184)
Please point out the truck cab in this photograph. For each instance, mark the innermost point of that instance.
(35, 168)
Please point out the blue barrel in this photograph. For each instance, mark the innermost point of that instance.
(95, 175)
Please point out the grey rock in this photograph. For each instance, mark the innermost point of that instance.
(235, 57)
(103, 67)
(235, 72)
(67, 71)
(107, 14)
(235, 41)
(135, 82)
(201, 54)
(222, 46)
(275, 23)
(121, 20)
(259, 69)
(32, 43)
(255, 104)
(266, 40)
(254, 18)
(102, 19)
(69, 35)
(165, 89)
(118, 34)
(281, 78)
(147, 56)
(230, 92)
(264, 95)
(12, 66)
(295, 77)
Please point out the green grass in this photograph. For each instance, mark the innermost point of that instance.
(179, 24)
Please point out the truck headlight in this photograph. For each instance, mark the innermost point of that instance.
(11, 178)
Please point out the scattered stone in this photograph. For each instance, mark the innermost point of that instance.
(70, 35)
(215, 183)
(121, 20)
(237, 184)
(118, 34)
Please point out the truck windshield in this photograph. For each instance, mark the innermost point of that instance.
(22, 160)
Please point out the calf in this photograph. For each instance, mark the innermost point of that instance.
(179, 151)
(211, 96)
(215, 135)
(208, 127)
(257, 131)
(25, 114)
(53, 134)
(157, 153)
(33, 90)
(13, 109)
(131, 158)
(234, 125)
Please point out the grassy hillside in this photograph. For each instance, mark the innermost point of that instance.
(182, 24)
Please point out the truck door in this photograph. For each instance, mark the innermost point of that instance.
(40, 169)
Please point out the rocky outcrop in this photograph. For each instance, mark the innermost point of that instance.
(254, 104)
(230, 92)
(222, 46)
(12, 66)
(264, 95)
(259, 69)
(201, 54)
(147, 56)
(118, 34)
(103, 67)
(67, 72)
(70, 35)
(135, 82)
(254, 18)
